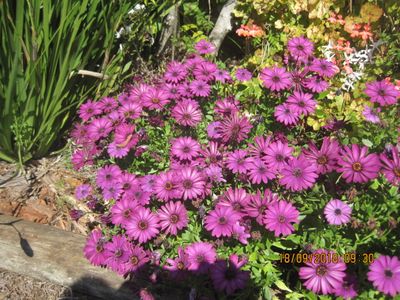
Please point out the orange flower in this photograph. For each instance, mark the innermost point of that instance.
(250, 30)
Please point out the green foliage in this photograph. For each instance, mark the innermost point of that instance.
(43, 45)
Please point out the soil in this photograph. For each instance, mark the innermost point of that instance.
(44, 194)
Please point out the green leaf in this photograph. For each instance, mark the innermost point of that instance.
(282, 286)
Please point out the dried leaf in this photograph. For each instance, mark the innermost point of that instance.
(370, 13)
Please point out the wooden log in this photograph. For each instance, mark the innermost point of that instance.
(47, 253)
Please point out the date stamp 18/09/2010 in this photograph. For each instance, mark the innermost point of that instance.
(326, 258)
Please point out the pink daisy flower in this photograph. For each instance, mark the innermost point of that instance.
(222, 76)
(348, 288)
(108, 176)
(144, 225)
(178, 267)
(95, 248)
(204, 47)
(191, 183)
(132, 110)
(382, 92)
(299, 174)
(285, 114)
(324, 67)
(277, 154)
(260, 146)
(212, 154)
(117, 253)
(384, 273)
(302, 103)
(276, 79)
(112, 191)
(228, 277)
(300, 47)
(200, 88)
(220, 221)
(83, 191)
(137, 94)
(323, 278)
(371, 115)
(187, 113)
(99, 128)
(137, 258)
(205, 71)
(155, 99)
(226, 107)
(166, 186)
(200, 256)
(122, 211)
(325, 158)
(185, 148)
(89, 109)
(235, 129)
(238, 162)
(391, 167)
(259, 171)
(316, 84)
(176, 72)
(280, 216)
(214, 173)
(173, 217)
(240, 233)
(258, 203)
(236, 199)
(213, 130)
(243, 74)
(357, 165)
(108, 104)
(337, 212)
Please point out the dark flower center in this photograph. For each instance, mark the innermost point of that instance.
(357, 167)
(262, 208)
(186, 149)
(175, 74)
(134, 260)
(187, 184)
(174, 218)
(213, 159)
(261, 169)
(108, 176)
(126, 186)
(302, 103)
(279, 157)
(138, 194)
(199, 258)
(168, 186)
(388, 273)
(321, 270)
(155, 100)
(236, 206)
(180, 265)
(338, 211)
(322, 160)
(275, 78)
(222, 220)
(118, 253)
(230, 274)
(99, 248)
(281, 219)
(143, 225)
(186, 116)
(300, 47)
(297, 172)
(396, 171)
(235, 129)
(127, 213)
(200, 87)
(382, 92)
(323, 67)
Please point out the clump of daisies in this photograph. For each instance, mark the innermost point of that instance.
(221, 178)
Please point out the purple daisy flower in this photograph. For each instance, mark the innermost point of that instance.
(371, 115)
(117, 253)
(166, 186)
(285, 114)
(391, 167)
(187, 113)
(122, 211)
(204, 47)
(258, 203)
(99, 128)
(302, 103)
(324, 67)
(337, 212)
(316, 84)
(200, 256)
(178, 267)
(176, 72)
(147, 183)
(144, 225)
(108, 176)
(173, 217)
(212, 154)
(89, 109)
(384, 273)
(236, 199)
(243, 74)
(137, 258)
(79, 134)
(137, 93)
(191, 183)
(325, 158)
(299, 174)
(229, 278)
(108, 104)
(238, 162)
(83, 191)
(226, 107)
(220, 221)
(213, 130)
(348, 288)
(300, 47)
(277, 154)
(185, 148)
(259, 171)
(214, 173)
(280, 216)
(155, 99)
(205, 71)
(382, 92)
(112, 192)
(240, 233)
(323, 278)
(260, 146)
(276, 79)
(139, 195)
(94, 248)
(222, 76)
(357, 165)
(235, 129)
(200, 88)
(131, 111)
(115, 151)
(128, 182)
